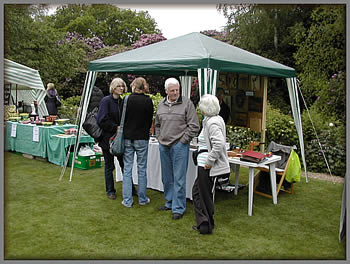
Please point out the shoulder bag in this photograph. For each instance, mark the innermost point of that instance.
(116, 142)
(90, 125)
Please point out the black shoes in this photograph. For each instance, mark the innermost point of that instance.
(203, 228)
(177, 216)
(111, 196)
(164, 208)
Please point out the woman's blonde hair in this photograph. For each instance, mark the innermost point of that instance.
(209, 105)
(117, 82)
(50, 86)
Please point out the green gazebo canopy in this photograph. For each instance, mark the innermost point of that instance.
(190, 55)
(184, 55)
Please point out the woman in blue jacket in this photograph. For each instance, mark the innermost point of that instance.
(108, 118)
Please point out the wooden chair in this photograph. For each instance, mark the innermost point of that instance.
(279, 173)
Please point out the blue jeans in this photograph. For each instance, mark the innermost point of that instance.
(140, 147)
(174, 162)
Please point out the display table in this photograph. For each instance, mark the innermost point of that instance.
(154, 178)
(39, 140)
(270, 162)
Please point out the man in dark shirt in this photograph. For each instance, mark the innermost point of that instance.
(138, 121)
(224, 109)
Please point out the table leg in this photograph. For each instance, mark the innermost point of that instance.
(273, 182)
(236, 168)
(251, 185)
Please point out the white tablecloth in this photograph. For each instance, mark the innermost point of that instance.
(154, 178)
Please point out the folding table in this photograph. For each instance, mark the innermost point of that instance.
(271, 162)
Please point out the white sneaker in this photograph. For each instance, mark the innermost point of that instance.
(126, 205)
(147, 202)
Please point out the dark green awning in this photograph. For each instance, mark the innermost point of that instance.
(188, 53)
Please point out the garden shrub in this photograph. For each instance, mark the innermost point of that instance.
(280, 128)
(69, 108)
(332, 137)
(241, 136)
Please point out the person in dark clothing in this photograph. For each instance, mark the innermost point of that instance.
(52, 99)
(224, 109)
(138, 121)
(225, 114)
(95, 99)
(108, 118)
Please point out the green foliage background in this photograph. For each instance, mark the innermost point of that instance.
(309, 38)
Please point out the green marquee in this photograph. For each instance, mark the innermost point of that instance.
(190, 55)
(185, 54)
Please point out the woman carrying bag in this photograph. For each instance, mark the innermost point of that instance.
(108, 118)
(211, 163)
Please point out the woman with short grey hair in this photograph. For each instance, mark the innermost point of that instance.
(212, 162)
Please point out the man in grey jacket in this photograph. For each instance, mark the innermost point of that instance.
(176, 123)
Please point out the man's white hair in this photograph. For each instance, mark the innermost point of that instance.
(209, 105)
(171, 81)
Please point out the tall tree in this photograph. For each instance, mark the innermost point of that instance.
(108, 22)
(321, 51)
(30, 39)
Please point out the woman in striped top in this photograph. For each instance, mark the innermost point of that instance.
(212, 163)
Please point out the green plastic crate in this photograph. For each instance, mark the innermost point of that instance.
(86, 162)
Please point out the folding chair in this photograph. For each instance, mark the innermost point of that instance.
(281, 171)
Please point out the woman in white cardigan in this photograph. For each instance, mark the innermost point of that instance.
(211, 163)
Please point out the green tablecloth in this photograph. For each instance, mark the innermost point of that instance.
(48, 145)
(57, 147)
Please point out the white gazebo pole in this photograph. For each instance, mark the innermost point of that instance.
(263, 118)
(199, 71)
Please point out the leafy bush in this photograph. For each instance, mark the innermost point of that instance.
(331, 134)
(69, 108)
(156, 100)
(280, 128)
(241, 136)
(333, 150)
(332, 99)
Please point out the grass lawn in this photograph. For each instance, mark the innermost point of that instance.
(48, 219)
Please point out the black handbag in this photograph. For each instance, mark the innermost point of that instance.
(90, 125)
(195, 155)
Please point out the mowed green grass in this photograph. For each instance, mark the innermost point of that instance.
(48, 219)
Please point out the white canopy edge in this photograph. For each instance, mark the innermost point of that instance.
(25, 77)
(28, 84)
(29, 96)
(294, 101)
(81, 114)
(186, 85)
